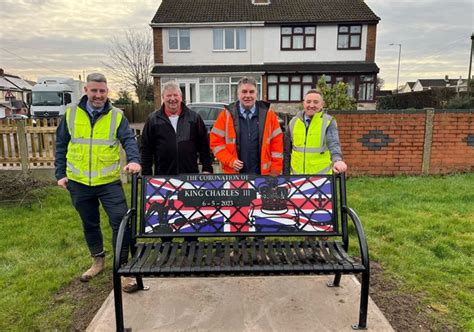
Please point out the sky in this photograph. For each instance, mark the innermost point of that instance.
(72, 38)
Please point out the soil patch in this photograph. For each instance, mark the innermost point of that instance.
(86, 298)
(404, 311)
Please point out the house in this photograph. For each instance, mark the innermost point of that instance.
(208, 45)
(408, 87)
(13, 87)
(429, 84)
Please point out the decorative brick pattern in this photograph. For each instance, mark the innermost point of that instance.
(375, 140)
(404, 155)
(451, 151)
(401, 150)
(469, 140)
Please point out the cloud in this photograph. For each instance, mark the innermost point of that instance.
(44, 37)
(435, 38)
(68, 38)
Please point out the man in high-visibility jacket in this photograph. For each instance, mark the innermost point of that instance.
(88, 165)
(246, 137)
(312, 140)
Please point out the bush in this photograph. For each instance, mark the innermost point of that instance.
(336, 97)
(459, 103)
(20, 188)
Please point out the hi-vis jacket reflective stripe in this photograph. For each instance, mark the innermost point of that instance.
(224, 139)
(93, 153)
(310, 154)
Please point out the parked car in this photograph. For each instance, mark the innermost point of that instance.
(210, 111)
(19, 117)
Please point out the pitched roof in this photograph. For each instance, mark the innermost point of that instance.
(438, 82)
(18, 82)
(7, 85)
(279, 11)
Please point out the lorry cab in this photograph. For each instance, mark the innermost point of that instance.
(51, 96)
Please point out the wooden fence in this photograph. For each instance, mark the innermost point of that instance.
(27, 144)
(30, 146)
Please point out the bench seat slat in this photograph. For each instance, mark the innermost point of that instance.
(255, 257)
(163, 256)
(142, 259)
(146, 268)
(342, 261)
(139, 248)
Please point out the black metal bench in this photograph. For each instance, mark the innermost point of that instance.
(246, 225)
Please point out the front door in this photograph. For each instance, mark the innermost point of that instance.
(188, 89)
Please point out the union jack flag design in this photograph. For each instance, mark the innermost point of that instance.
(228, 204)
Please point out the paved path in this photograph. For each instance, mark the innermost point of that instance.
(295, 303)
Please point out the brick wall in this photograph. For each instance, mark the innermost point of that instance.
(453, 142)
(158, 58)
(371, 40)
(157, 92)
(407, 142)
(158, 45)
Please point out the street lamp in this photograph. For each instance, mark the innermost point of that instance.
(399, 56)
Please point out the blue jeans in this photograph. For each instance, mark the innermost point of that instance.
(86, 200)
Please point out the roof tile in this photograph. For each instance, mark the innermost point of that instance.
(279, 11)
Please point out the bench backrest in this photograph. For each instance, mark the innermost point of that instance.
(221, 205)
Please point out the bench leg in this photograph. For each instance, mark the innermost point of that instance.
(140, 283)
(118, 303)
(364, 302)
(336, 281)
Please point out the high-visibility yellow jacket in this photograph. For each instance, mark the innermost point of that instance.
(310, 153)
(93, 153)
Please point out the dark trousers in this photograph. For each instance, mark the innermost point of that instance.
(86, 200)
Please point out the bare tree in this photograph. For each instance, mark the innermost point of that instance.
(131, 60)
(380, 83)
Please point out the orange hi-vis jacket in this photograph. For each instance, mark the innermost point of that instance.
(224, 139)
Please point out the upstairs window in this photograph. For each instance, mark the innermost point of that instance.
(298, 38)
(229, 39)
(348, 37)
(179, 40)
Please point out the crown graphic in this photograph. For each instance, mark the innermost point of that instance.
(274, 198)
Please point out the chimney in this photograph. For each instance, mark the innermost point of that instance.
(2, 73)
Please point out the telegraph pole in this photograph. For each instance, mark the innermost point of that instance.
(469, 90)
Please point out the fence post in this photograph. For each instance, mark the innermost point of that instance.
(428, 141)
(22, 145)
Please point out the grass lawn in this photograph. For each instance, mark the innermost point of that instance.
(42, 250)
(420, 229)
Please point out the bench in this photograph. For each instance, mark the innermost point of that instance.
(245, 225)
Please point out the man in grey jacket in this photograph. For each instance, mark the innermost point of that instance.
(312, 140)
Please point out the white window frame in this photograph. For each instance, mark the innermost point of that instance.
(179, 40)
(224, 49)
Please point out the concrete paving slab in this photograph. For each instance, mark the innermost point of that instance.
(277, 303)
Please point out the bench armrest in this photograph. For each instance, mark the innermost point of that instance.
(118, 246)
(364, 250)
